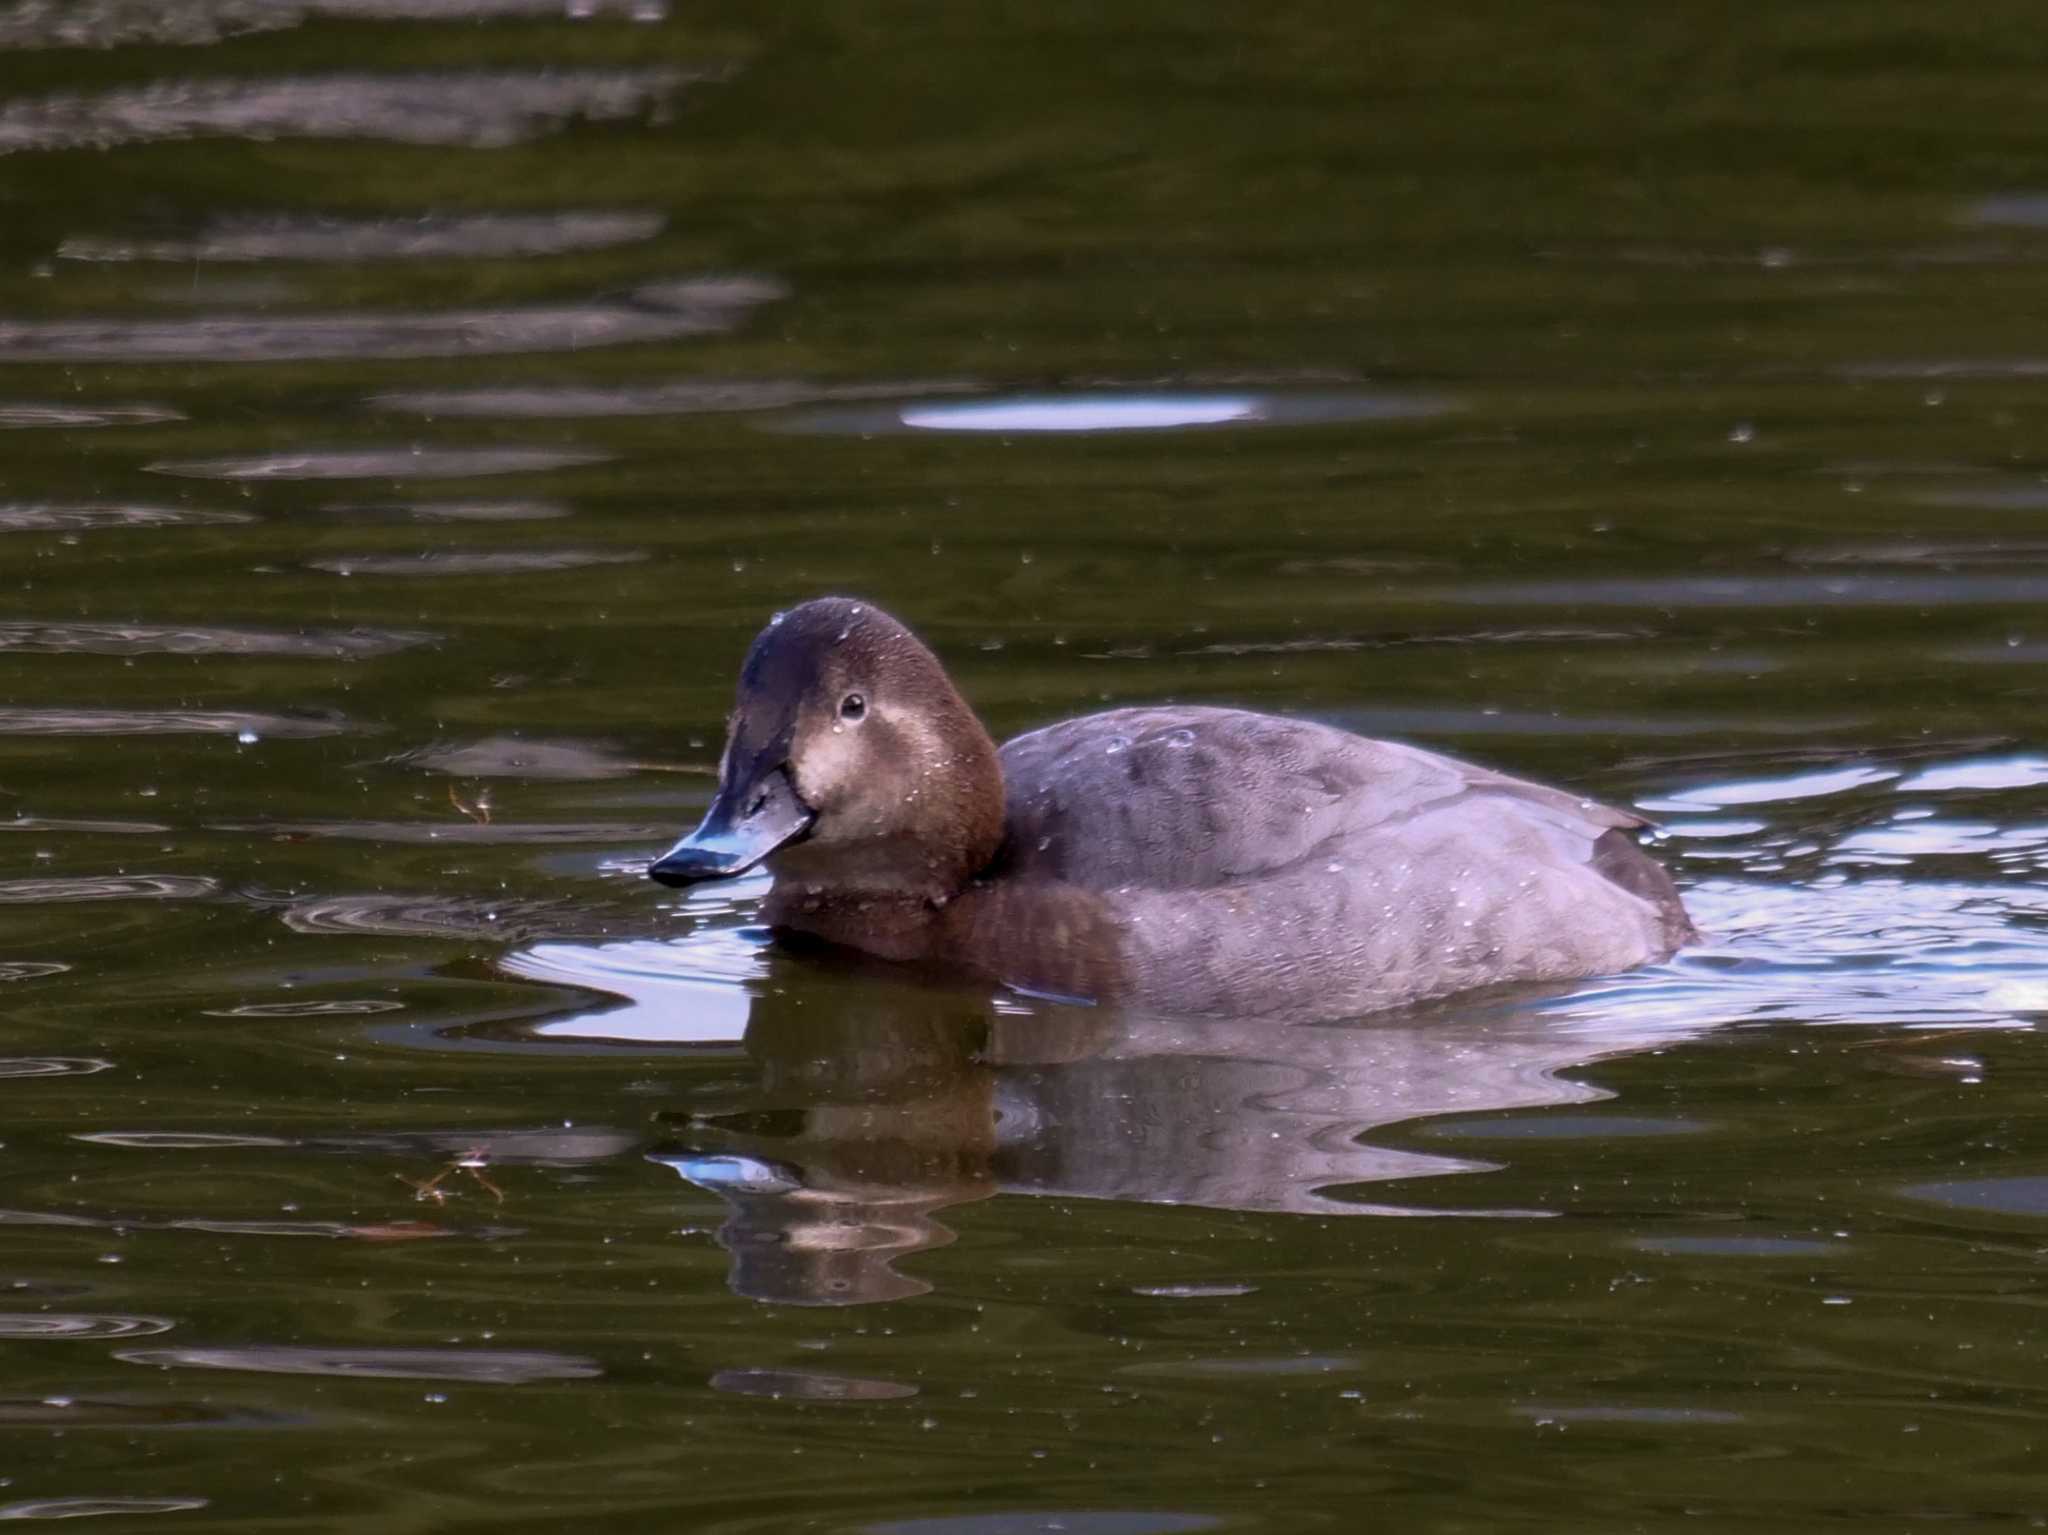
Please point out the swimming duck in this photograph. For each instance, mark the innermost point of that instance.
(1175, 859)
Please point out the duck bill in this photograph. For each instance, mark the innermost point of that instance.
(744, 825)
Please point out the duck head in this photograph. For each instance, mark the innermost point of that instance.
(852, 765)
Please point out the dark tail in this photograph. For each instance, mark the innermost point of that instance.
(1620, 859)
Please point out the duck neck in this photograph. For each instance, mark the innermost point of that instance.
(891, 924)
(888, 894)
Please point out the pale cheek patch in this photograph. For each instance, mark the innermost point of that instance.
(856, 775)
(828, 769)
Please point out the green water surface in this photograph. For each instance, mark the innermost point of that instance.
(409, 410)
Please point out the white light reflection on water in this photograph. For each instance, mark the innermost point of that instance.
(1874, 952)
(1980, 773)
(688, 991)
(1767, 791)
(1084, 413)
(1106, 410)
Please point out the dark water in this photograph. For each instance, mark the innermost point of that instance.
(410, 407)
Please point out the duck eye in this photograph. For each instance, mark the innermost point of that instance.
(852, 706)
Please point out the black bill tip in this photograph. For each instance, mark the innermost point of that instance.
(732, 840)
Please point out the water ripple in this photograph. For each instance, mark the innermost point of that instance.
(1891, 952)
(30, 969)
(2017, 1196)
(165, 722)
(517, 757)
(474, 562)
(680, 397)
(108, 887)
(809, 1386)
(177, 1140)
(1057, 1521)
(433, 916)
(86, 1508)
(657, 312)
(493, 833)
(177, 640)
(1979, 774)
(70, 1412)
(42, 517)
(97, 828)
(1122, 410)
(423, 237)
(52, 1066)
(1931, 589)
(412, 463)
(2026, 209)
(447, 511)
(340, 1007)
(190, 23)
(25, 416)
(1767, 791)
(78, 1326)
(476, 110)
(1944, 554)
(500, 1367)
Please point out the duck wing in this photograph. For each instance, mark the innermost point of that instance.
(1180, 798)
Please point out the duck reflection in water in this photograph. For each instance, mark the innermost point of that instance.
(861, 1124)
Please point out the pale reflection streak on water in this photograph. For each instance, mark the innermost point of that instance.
(667, 310)
(677, 397)
(1929, 589)
(191, 23)
(470, 110)
(1130, 409)
(45, 1326)
(445, 511)
(548, 833)
(107, 887)
(23, 416)
(245, 726)
(104, 639)
(476, 562)
(42, 517)
(424, 237)
(519, 757)
(380, 463)
(422, 915)
(87, 1508)
(497, 1367)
